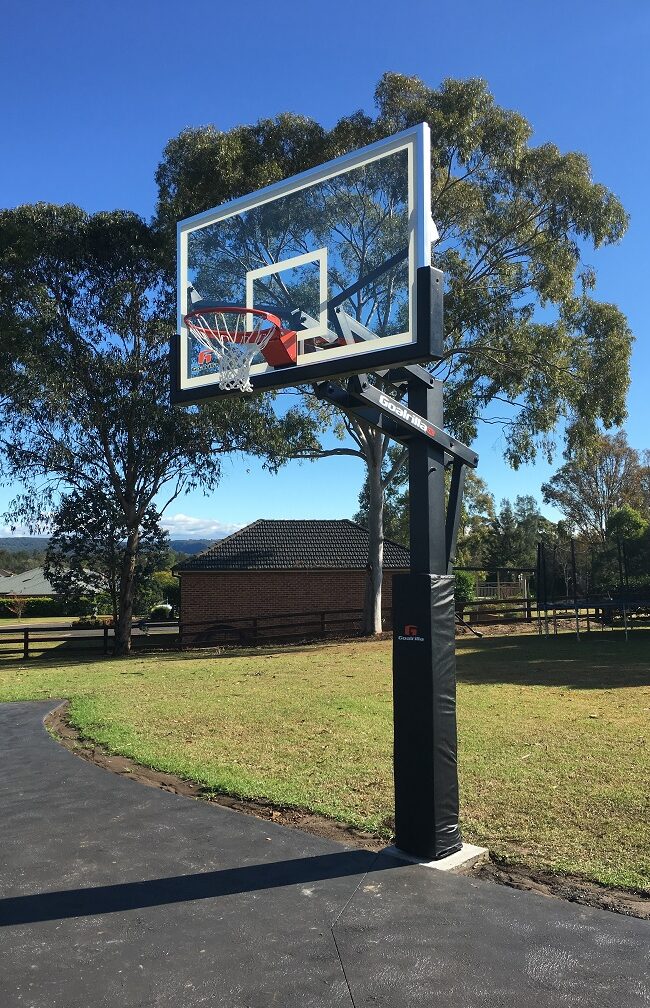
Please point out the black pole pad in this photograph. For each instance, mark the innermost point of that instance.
(424, 713)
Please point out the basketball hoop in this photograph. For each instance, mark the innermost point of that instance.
(233, 336)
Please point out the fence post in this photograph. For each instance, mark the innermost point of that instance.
(180, 636)
(587, 600)
(105, 641)
(26, 642)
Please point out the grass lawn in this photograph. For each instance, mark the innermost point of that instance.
(30, 621)
(554, 742)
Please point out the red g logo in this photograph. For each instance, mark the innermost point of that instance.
(410, 631)
(205, 357)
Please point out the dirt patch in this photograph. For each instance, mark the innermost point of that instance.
(632, 903)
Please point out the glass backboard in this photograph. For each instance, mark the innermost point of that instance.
(333, 252)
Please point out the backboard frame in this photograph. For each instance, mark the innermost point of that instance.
(426, 336)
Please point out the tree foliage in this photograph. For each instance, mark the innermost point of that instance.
(627, 524)
(16, 562)
(477, 512)
(88, 301)
(514, 534)
(86, 552)
(591, 487)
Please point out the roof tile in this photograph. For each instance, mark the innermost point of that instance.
(286, 544)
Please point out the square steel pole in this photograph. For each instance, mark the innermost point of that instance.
(424, 673)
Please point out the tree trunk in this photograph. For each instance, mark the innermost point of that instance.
(372, 607)
(127, 591)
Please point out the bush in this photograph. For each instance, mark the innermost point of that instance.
(42, 605)
(93, 622)
(464, 590)
(161, 612)
(95, 605)
(47, 605)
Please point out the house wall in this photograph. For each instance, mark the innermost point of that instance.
(229, 594)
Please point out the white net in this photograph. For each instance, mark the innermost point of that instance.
(232, 339)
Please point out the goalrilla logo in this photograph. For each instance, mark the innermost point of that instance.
(410, 633)
(405, 414)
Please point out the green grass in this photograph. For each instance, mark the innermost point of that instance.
(553, 735)
(31, 621)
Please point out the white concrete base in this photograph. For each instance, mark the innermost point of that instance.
(467, 856)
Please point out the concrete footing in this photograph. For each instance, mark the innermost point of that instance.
(466, 857)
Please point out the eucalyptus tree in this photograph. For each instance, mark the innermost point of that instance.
(85, 409)
(525, 336)
(590, 488)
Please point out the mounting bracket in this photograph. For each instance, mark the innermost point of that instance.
(366, 402)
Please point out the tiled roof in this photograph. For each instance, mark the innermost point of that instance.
(34, 582)
(288, 545)
(31, 582)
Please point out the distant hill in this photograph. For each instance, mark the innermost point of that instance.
(38, 544)
(23, 544)
(191, 546)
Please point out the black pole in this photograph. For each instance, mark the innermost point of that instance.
(456, 487)
(538, 587)
(424, 675)
(427, 522)
(544, 583)
(575, 586)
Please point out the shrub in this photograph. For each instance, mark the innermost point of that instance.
(161, 612)
(93, 622)
(95, 605)
(43, 605)
(464, 590)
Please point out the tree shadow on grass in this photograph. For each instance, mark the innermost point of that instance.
(68, 652)
(596, 661)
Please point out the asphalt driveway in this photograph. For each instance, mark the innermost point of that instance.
(115, 895)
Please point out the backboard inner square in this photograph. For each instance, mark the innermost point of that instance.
(297, 281)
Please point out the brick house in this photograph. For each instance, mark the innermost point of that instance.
(284, 566)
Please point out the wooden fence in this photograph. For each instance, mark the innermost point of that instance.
(245, 631)
(311, 625)
(490, 612)
(596, 612)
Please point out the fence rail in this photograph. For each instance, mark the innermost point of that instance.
(317, 624)
(314, 625)
(496, 590)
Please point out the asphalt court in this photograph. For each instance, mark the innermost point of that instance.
(116, 894)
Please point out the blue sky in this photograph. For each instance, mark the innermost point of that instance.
(92, 92)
